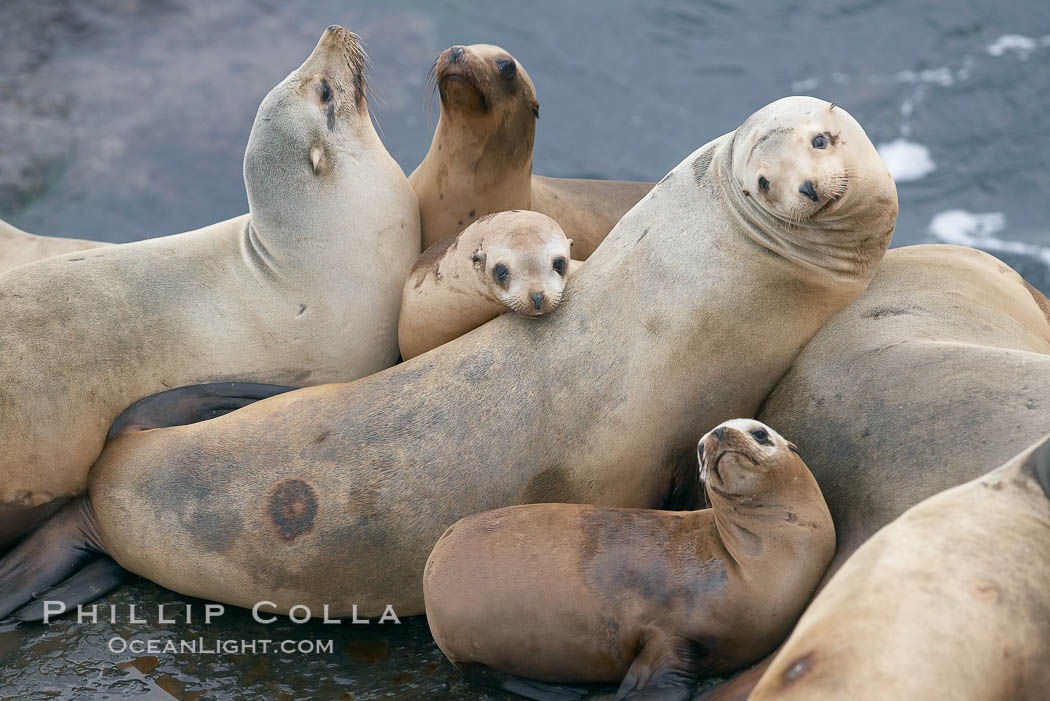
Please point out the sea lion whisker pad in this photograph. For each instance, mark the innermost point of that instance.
(674, 595)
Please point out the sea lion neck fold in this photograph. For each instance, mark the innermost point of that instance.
(828, 202)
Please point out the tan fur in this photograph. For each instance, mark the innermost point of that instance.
(18, 247)
(598, 403)
(451, 289)
(303, 290)
(480, 160)
(725, 583)
(950, 601)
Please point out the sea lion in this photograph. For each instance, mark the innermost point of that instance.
(18, 247)
(950, 601)
(304, 289)
(336, 494)
(937, 372)
(511, 261)
(571, 593)
(480, 160)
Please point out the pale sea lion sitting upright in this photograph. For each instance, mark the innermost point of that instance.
(480, 160)
(305, 289)
(511, 261)
(18, 247)
(950, 601)
(336, 494)
(571, 593)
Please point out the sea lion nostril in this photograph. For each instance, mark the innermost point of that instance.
(537, 300)
(720, 432)
(455, 53)
(809, 190)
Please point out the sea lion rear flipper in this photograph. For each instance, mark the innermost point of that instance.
(665, 670)
(528, 688)
(190, 405)
(97, 579)
(50, 554)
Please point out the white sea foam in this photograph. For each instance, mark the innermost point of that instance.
(1018, 44)
(976, 230)
(906, 160)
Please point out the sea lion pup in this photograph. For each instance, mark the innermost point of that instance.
(480, 160)
(950, 601)
(304, 289)
(937, 372)
(18, 247)
(572, 593)
(336, 494)
(511, 261)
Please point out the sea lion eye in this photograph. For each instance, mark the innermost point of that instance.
(507, 69)
(763, 184)
(500, 273)
(761, 436)
(326, 91)
(559, 265)
(819, 141)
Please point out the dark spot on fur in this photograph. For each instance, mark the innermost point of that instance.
(798, 669)
(74, 260)
(461, 222)
(702, 164)
(551, 484)
(644, 234)
(322, 437)
(293, 506)
(473, 212)
(331, 116)
(302, 308)
(791, 517)
(880, 312)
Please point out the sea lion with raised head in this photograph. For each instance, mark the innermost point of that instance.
(304, 289)
(511, 261)
(18, 247)
(336, 494)
(570, 593)
(480, 160)
(940, 370)
(950, 601)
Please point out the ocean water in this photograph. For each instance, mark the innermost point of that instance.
(122, 119)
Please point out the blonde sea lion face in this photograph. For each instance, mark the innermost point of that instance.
(524, 259)
(742, 457)
(804, 159)
(484, 82)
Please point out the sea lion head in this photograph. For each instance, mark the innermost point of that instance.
(486, 91)
(523, 258)
(311, 130)
(742, 457)
(806, 174)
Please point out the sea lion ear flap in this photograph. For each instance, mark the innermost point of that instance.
(479, 258)
(316, 159)
(793, 448)
(571, 243)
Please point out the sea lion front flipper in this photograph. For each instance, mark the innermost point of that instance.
(50, 554)
(664, 670)
(528, 688)
(94, 581)
(190, 405)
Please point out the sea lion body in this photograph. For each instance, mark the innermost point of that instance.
(336, 494)
(288, 294)
(18, 247)
(480, 160)
(572, 593)
(511, 261)
(949, 601)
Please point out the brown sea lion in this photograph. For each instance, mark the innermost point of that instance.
(949, 601)
(480, 160)
(516, 261)
(939, 371)
(305, 289)
(336, 494)
(571, 593)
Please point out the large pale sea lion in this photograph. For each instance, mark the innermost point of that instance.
(336, 494)
(18, 247)
(304, 289)
(939, 371)
(950, 601)
(516, 261)
(480, 160)
(647, 599)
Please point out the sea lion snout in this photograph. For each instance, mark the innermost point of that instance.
(454, 54)
(809, 190)
(537, 300)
